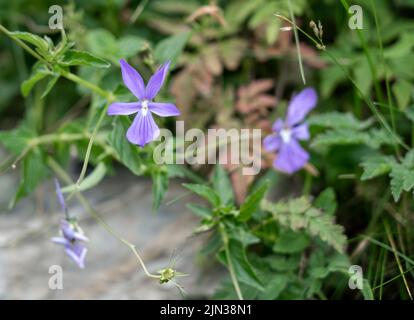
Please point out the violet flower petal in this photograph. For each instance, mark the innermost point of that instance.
(132, 79)
(59, 240)
(124, 108)
(272, 143)
(300, 105)
(163, 109)
(278, 125)
(291, 157)
(77, 253)
(143, 129)
(301, 132)
(60, 195)
(67, 230)
(155, 83)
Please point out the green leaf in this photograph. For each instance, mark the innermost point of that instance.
(39, 72)
(336, 120)
(127, 153)
(376, 166)
(205, 192)
(242, 268)
(291, 242)
(130, 45)
(32, 39)
(16, 140)
(402, 179)
(90, 181)
(200, 211)
(222, 184)
(402, 90)
(274, 287)
(181, 171)
(326, 201)
(367, 290)
(159, 188)
(373, 138)
(83, 58)
(170, 48)
(102, 42)
(298, 214)
(251, 204)
(51, 83)
(397, 181)
(33, 172)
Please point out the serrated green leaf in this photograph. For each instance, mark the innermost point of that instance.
(336, 120)
(376, 166)
(83, 58)
(397, 181)
(251, 204)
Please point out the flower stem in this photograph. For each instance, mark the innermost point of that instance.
(103, 93)
(295, 33)
(65, 177)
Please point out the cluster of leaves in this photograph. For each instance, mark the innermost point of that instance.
(277, 250)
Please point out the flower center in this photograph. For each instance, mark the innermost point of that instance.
(286, 135)
(144, 107)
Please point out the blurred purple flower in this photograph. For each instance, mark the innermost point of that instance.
(143, 129)
(60, 197)
(290, 155)
(72, 237)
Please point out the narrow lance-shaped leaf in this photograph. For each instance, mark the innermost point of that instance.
(252, 202)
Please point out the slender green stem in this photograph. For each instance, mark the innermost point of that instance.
(89, 148)
(397, 258)
(233, 277)
(103, 93)
(295, 33)
(65, 177)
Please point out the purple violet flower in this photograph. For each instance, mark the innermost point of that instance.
(72, 237)
(143, 129)
(291, 157)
